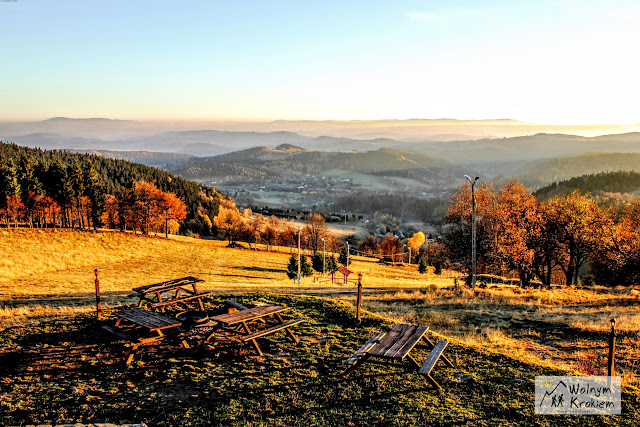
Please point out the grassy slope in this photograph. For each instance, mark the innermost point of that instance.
(60, 370)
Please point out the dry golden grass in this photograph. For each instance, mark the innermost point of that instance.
(50, 273)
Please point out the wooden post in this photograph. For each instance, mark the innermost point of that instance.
(612, 348)
(97, 282)
(359, 301)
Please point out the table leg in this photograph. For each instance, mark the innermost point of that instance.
(289, 331)
(255, 343)
(414, 361)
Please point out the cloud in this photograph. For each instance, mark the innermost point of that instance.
(422, 16)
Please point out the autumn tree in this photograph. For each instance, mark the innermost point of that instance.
(231, 222)
(315, 230)
(457, 235)
(615, 254)
(415, 242)
(519, 225)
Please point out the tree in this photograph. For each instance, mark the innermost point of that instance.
(305, 266)
(9, 191)
(423, 266)
(316, 229)
(94, 191)
(173, 209)
(231, 222)
(344, 256)
(415, 242)
(457, 237)
(519, 226)
(570, 221)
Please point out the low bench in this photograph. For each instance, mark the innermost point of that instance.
(163, 304)
(273, 329)
(432, 359)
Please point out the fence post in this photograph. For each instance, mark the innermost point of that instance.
(97, 282)
(359, 301)
(612, 347)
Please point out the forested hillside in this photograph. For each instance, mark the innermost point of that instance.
(261, 162)
(28, 176)
(608, 184)
(566, 167)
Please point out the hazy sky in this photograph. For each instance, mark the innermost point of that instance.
(542, 61)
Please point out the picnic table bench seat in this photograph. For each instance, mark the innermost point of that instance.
(431, 361)
(174, 301)
(273, 329)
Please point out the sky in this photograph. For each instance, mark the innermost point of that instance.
(553, 62)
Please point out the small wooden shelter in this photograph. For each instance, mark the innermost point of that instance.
(342, 270)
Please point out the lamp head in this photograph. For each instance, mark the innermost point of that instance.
(360, 276)
(468, 178)
(477, 178)
(613, 322)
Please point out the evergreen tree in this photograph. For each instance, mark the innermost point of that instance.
(332, 263)
(93, 190)
(305, 266)
(344, 255)
(422, 266)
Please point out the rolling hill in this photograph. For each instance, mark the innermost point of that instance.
(261, 161)
(616, 185)
(566, 167)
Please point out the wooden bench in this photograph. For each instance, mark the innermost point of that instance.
(273, 329)
(163, 304)
(395, 346)
(355, 357)
(432, 359)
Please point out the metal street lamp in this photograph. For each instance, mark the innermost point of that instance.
(298, 228)
(324, 255)
(348, 253)
(473, 229)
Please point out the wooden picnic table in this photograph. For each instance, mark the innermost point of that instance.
(142, 327)
(395, 346)
(238, 323)
(171, 292)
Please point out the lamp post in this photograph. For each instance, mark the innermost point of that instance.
(348, 253)
(473, 229)
(359, 301)
(324, 255)
(409, 257)
(298, 228)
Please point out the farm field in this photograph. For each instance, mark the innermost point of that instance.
(498, 335)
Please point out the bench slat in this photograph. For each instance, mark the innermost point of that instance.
(415, 338)
(407, 338)
(179, 300)
(364, 349)
(272, 329)
(147, 319)
(433, 357)
(396, 332)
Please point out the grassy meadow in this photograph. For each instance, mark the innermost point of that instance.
(498, 335)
